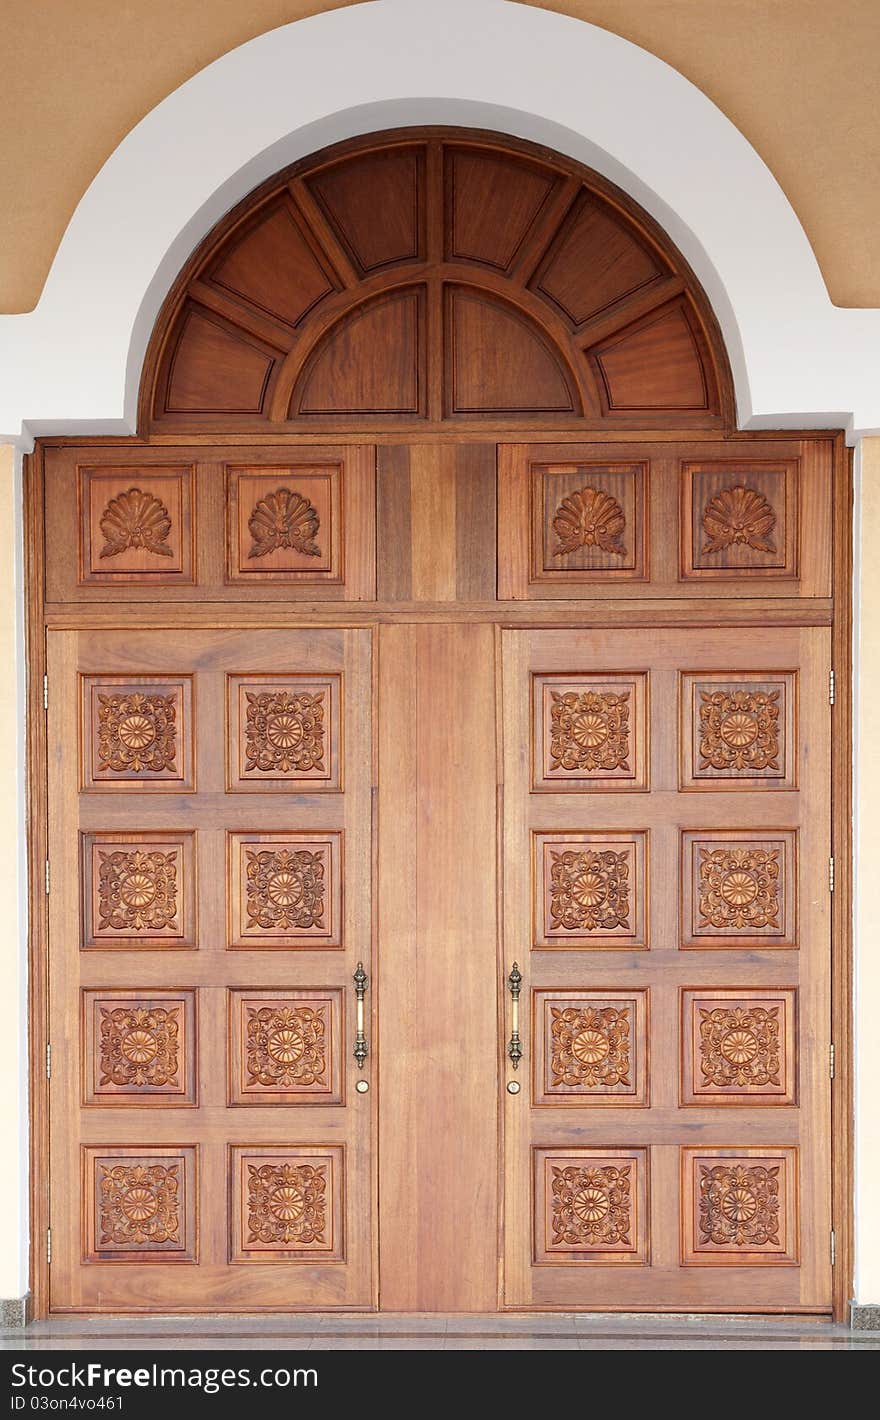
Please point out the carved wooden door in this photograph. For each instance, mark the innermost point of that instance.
(666, 859)
(210, 850)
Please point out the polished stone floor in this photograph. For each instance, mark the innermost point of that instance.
(516, 1332)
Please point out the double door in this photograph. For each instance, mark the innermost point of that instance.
(251, 829)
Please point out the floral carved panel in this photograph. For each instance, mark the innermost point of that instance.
(589, 522)
(590, 732)
(739, 888)
(285, 889)
(139, 1047)
(739, 1046)
(740, 1206)
(138, 889)
(141, 1203)
(286, 1046)
(739, 731)
(590, 1047)
(136, 525)
(739, 520)
(284, 731)
(286, 1204)
(590, 889)
(591, 1205)
(137, 731)
(285, 524)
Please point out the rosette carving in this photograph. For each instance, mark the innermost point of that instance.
(590, 1046)
(287, 1204)
(592, 1207)
(739, 1205)
(589, 891)
(589, 730)
(286, 1046)
(139, 1204)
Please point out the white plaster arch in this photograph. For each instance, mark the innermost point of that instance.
(73, 363)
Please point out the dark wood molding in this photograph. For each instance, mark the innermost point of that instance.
(842, 1091)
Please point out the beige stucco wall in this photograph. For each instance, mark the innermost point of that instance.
(13, 1049)
(13, 1200)
(791, 74)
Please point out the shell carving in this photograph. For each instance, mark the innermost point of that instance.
(589, 518)
(739, 515)
(135, 519)
(284, 519)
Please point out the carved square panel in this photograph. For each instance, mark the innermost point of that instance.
(590, 1048)
(738, 730)
(286, 1047)
(739, 1206)
(284, 733)
(137, 731)
(739, 1046)
(138, 889)
(739, 519)
(739, 889)
(591, 1205)
(139, 1047)
(285, 523)
(590, 889)
(588, 522)
(140, 1203)
(285, 890)
(590, 732)
(287, 1203)
(136, 524)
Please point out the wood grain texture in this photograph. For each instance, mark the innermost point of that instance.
(560, 299)
(437, 926)
(725, 1125)
(842, 1089)
(135, 1188)
(221, 524)
(549, 547)
(436, 523)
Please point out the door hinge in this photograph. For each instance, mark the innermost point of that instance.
(830, 687)
(48, 1061)
(830, 874)
(45, 692)
(48, 882)
(48, 1244)
(831, 1060)
(833, 1249)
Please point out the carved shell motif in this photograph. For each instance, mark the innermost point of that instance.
(135, 519)
(284, 519)
(589, 518)
(739, 515)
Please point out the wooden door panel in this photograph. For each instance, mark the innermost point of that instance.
(258, 1208)
(646, 520)
(674, 1107)
(438, 929)
(197, 523)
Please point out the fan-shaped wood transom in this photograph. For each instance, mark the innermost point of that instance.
(431, 275)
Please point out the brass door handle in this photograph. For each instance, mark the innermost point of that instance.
(360, 1040)
(514, 1045)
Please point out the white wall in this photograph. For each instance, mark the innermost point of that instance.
(13, 946)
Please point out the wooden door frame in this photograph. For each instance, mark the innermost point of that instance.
(842, 1127)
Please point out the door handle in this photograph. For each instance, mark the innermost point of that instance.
(360, 1040)
(514, 1045)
